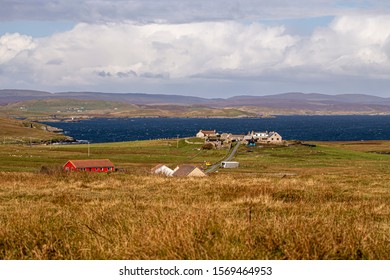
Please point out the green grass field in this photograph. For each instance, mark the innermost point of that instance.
(331, 201)
(137, 156)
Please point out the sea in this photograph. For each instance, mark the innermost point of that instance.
(304, 128)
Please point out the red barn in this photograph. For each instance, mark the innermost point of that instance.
(94, 165)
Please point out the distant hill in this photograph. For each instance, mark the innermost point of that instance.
(68, 109)
(11, 96)
(279, 104)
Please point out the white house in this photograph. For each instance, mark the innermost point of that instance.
(267, 137)
(274, 137)
(205, 133)
(162, 169)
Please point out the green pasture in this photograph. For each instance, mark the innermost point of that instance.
(302, 159)
(134, 156)
(140, 156)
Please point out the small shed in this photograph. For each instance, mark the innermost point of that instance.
(186, 170)
(230, 164)
(92, 165)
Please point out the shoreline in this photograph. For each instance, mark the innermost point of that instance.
(164, 128)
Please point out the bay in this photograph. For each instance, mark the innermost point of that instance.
(305, 128)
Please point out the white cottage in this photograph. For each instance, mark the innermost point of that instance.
(205, 133)
(162, 169)
(267, 137)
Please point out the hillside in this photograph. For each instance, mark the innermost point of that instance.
(15, 131)
(59, 109)
(141, 104)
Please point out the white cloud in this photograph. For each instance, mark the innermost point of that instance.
(126, 55)
(350, 46)
(118, 51)
(13, 44)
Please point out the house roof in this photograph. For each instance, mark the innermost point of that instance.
(156, 167)
(208, 131)
(183, 170)
(273, 133)
(90, 163)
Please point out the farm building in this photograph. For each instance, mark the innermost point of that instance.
(205, 133)
(93, 165)
(274, 137)
(186, 170)
(162, 169)
(230, 164)
(266, 137)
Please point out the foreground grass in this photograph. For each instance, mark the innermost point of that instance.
(296, 202)
(229, 216)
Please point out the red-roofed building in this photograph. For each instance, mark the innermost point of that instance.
(93, 165)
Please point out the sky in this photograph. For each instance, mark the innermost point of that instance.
(200, 47)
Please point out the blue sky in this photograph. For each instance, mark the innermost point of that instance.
(35, 28)
(204, 48)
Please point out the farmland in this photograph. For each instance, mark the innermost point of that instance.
(297, 202)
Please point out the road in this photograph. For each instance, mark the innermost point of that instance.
(228, 158)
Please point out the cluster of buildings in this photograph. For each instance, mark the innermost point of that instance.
(105, 165)
(266, 137)
(184, 170)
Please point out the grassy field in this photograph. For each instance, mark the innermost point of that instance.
(135, 157)
(325, 202)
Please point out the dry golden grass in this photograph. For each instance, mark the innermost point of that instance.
(225, 216)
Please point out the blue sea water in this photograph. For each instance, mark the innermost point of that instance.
(305, 128)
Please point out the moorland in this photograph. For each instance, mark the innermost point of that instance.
(330, 201)
(46, 106)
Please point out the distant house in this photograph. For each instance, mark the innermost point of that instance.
(226, 136)
(274, 137)
(267, 137)
(206, 133)
(92, 165)
(186, 170)
(162, 169)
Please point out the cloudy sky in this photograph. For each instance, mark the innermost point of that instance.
(196, 47)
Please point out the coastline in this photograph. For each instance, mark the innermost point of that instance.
(303, 128)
